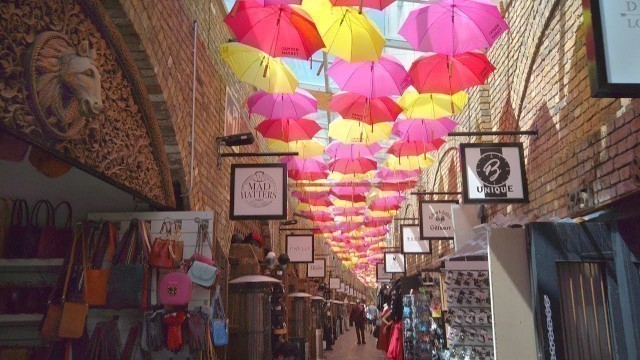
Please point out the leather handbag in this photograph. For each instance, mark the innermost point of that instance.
(219, 323)
(47, 164)
(167, 252)
(175, 289)
(202, 270)
(128, 283)
(6, 205)
(12, 148)
(33, 230)
(55, 242)
(13, 243)
(66, 319)
(100, 242)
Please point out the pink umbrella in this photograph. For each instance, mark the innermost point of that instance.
(372, 79)
(350, 226)
(398, 186)
(444, 74)
(289, 129)
(453, 27)
(387, 203)
(377, 222)
(278, 30)
(309, 194)
(414, 148)
(352, 193)
(320, 216)
(373, 4)
(422, 130)
(276, 106)
(375, 232)
(386, 174)
(309, 169)
(348, 211)
(340, 150)
(317, 201)
(275, 2)
(369, 111)
(359, 165)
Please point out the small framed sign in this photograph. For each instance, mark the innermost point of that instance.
(316, 269)
(258, 192)
(394, 262)
(436, 220)
(381, 275)
(411, 241)
(334, 283)
(493, 173)
(299, 248)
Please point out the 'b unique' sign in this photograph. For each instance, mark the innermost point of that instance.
(258, 191)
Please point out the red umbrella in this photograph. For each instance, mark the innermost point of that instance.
(414, 148)
(353, 166)
(308, 169)
(369, 111)
(288, 129)
(444, 74)
(373, 4)
(278, 30)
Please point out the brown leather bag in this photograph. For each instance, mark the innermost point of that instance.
(167, 251)
(66, 319)
(48, 164)
(97, 277)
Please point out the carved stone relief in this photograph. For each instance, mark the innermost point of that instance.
(62, 88)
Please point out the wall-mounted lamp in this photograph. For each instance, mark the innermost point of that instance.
(289, 222)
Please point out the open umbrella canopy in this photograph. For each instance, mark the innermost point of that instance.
(375, 232)
(259, 69)
(386, 174)
(414, 148)
(304, 148)
(387, 203)
(351, 131)
(274, 2)
(311, 185)
(351, 193)
(339, 150)
(372, 79)
(340, 177)
(398, 186)
(305, 169)
(346, 33)
(369, 111)
(359, 165)
(349, 212)
(373, 4)
(409, 162)
(317, 201)
(422, 130)
(288, 129)
(432, 105)
(453, 27)
(298, 194)
(278, 30)
(444, 74)
(349, 203)
(275, 106)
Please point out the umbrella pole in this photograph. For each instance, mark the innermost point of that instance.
(360, 7)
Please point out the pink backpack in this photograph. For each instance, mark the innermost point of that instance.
(174, 288)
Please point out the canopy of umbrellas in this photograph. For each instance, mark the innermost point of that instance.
(378, 98)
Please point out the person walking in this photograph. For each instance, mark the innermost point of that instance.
(358, 317)
(372, 315)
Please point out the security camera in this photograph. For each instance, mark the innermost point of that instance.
(236, 139)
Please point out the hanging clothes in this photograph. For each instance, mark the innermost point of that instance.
(396, 349)
(384, 335)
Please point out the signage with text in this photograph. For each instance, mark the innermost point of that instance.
(411, 242)
(300, 248)
(258, 191)
(316, 269)
(394, 262)
(493, 173)
(436, 220)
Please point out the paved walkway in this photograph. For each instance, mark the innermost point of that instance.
(347, 348)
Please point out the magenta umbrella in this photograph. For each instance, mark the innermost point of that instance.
(278, 30)
(310, 194)
(373, 4)
(375, 232)
(369, 111)
(317, 201)
(275, 2)
(276, 106)
(385, 77)
(414, 148)
(289, 129)
(370, 222)
(348, 211)
(339, 150)
(351, 193)
(359, 165)
(349, 226)
(387, 203)
(422, 130)
(453, 27)
(319, 216)
(386, 174)
(309, 169)
(444, 74)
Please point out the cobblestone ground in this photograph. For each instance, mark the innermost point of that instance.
(347, 348)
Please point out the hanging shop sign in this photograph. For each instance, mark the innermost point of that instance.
(394, 262)
(300, 248)
(316, 269)
(411, 242)
(493, 173)
(334, 283)
(258, 191)
(436, 220)
(381, 275)
(612, 32)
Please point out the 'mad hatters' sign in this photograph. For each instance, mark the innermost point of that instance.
(493, 173)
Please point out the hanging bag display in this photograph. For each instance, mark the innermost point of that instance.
(33, 230)
(152, 338)
(66, 319)
(175, 289)
(14, 240)
(202, 270)
(167, 251)
(55, 242)
(6, 205)
(219, 323)
(127, 286)
(102, 238)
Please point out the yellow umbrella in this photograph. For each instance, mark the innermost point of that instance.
(346, 33)
(259, 69)
(351, 177)
(379, 213)
(409, 162)
(305, 148)
(307, 207)
(349, 218)
(352, 131)
(432, 106)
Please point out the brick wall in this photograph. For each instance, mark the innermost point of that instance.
(166, 31)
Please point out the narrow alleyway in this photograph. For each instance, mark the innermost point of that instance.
(347, 348)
